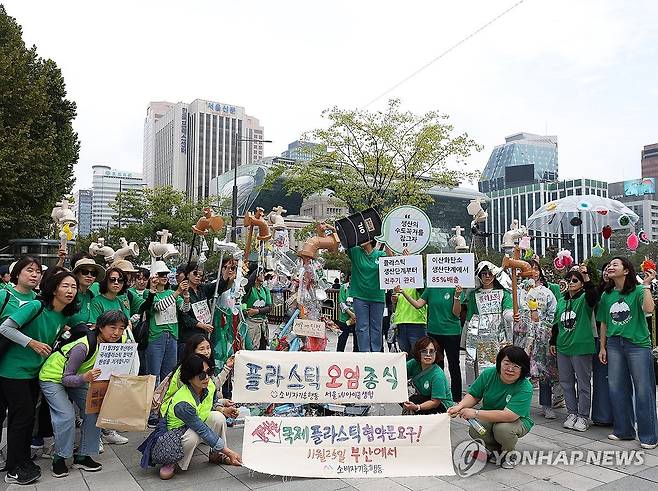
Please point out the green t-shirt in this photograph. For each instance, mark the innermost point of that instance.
(497, 395)
(574, 321)
(441, 320)
(14, 299)
(24, 363)
(555, 290)
(472, 306)
(166, 321)
(432, 383)
(134, 299)
(101, 304)
(258, 297)
(343, 295)
(364, 283)
(95, 288)
(624, 316)
(405, 313)
(82, 315)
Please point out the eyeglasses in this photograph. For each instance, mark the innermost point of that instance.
(89, 272)
(163, 275)
(574, 280)
(509, 364)
(428, 352)
(204, 375)
(114, 279)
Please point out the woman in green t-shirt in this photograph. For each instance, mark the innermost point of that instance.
(111, 297)
(32, 329)
(573, 342)
(432, 392)
(626, 348)
(505, 393)
(87, 272)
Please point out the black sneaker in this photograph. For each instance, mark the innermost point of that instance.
(59, 467)
(22, 475)
(86, 463)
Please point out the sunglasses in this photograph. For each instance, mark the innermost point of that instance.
(163, 275)
(113, 279)
(89, 272)
(574, 280)
(428, 352)
(204, 375)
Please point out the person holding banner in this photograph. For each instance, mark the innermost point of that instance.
(427, 378)
(32, 329)
(65, 377)
(346, 318)
(190, 421)
(505, 393)
(369, 298)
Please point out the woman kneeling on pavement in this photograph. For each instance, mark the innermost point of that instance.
(65, 377)
(191, 421)
(505, 393)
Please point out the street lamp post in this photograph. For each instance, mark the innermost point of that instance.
(234, 211)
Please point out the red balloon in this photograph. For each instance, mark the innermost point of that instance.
(607, 232)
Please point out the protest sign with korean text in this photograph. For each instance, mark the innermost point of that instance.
(317, 377)
(450, 270)
(115, 359)
(307, 327)
(406, 228)
(357, 447)
(403, 271)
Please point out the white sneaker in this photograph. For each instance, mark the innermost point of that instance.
(649, 446)
(113, 438)
(549, 413)
(581, 424)
(509, 462)
(100, 447)
(570, 421)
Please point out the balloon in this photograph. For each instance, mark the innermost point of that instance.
(643, 236)
(632, 242)
(576, 221)
(557, 262)
(607, 232)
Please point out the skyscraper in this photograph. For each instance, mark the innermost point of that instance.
(82, 210)
(106, 184)
(186, 145)
(650, 160)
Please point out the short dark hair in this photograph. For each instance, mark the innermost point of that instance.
(111, 317)
(630, 282)
(423, 343)
(50, 272)
(106, 281)
(515, 355)
(80, 255)
(144, 272)
(192, 366)
(542, 278)
(567, 277)
(49, 287)
(20, 265)
(191, 345)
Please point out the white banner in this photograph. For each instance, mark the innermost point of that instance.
(405, 271)
(355, 447)
(307, 327)
(115, 359)
(450, 270)
(313, 377)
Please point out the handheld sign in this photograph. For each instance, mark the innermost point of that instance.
(449, 270)
(359, 228)
(406, 227)
(307, 327)
(115, 359)
(405, 271)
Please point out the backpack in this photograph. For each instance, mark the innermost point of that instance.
(4, 304)
(5, 343)
(75, 333)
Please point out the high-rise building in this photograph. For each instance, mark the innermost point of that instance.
(640, 196)
(106, 184)
(82, 210)
(302, 150)
(650, 160)
(524, 158)
(186, 145)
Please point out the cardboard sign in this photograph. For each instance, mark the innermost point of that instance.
(306, 327)
(316, 377)
(450, 270)
(95, 396)
(201, 311)
(489, 301)
(403, 271)
(406, 228)
(115, 359)
(356, 447)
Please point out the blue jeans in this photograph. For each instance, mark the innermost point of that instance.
(631, 366)
(408, 336)
(601, 406)
(545, 393)
(369, 317)
(62, 414)
(161, 355)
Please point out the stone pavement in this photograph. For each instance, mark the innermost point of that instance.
(121, 471)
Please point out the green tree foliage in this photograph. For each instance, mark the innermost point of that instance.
(381, 159)
(38, 146)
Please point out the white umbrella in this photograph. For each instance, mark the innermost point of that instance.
(575, 214)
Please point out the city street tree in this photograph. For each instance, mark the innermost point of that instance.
(38, 147)
(381, 159)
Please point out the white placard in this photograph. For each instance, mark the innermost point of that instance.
(115, 359)
(404, 271)
(450, 270)
(201, 311)
(310, 377)
(406, 228)
(167, 316)
(356, 447)
(307, 327)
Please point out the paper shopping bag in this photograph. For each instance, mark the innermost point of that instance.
(127, 403)
(95, 396)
